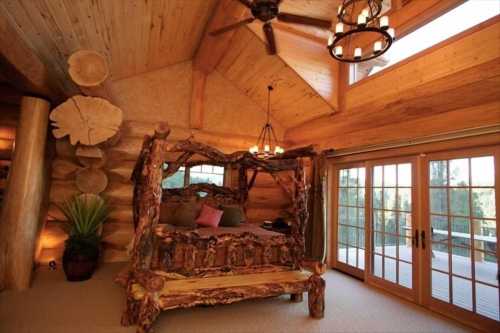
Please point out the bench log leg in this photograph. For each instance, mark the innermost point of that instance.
(296, 298)
(129, 316)
(316, 296)
(148, 312)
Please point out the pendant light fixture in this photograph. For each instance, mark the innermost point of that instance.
(267, 143)
(357, 18)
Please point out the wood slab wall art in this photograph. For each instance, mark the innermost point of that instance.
(86, 120)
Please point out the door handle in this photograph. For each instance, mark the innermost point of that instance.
(423, 239)
(416, 238)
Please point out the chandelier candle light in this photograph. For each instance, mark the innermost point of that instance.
(369, 20)
(267, 143)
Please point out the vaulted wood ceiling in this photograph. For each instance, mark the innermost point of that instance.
(138, 36)
(135, 35)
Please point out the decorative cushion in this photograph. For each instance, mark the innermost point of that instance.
(185, 215)
(232, 216)
(209, 217)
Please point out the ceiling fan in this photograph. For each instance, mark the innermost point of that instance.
(267, 10)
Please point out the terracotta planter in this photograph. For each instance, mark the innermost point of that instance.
(78, 267)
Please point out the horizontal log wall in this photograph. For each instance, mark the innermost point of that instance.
(266, 200)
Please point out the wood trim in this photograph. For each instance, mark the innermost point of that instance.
(343, 85)
(408, 148)
(461, 35)
(197, 99)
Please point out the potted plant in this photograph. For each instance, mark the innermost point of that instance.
(86, 214)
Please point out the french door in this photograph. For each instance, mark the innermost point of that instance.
(424, 228)
(392, 256)
(461, 210)
(374, 239)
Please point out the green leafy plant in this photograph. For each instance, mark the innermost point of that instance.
(85, 215)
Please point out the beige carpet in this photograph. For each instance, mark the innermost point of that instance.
(53, 305)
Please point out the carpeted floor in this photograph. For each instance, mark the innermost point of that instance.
(53, 305)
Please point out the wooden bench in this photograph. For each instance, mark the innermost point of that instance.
(158, 291)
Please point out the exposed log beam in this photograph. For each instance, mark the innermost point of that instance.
(212, 48)
(23, 68)
(197, 99)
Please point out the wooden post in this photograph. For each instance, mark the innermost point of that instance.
(197, 100)
(20, 223)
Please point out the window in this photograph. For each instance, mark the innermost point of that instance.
(174, 181)
(463, 17)
(205, 173)
(211, 174)
(351, 217)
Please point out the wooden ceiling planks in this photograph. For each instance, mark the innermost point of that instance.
(313, 63)
(248, 66)
(136, 36)
(322, 9)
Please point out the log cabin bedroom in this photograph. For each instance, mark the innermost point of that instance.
(249, 166)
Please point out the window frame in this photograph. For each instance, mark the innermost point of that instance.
(187, 174)
(409, 27)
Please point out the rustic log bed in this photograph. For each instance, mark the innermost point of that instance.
(178, 268)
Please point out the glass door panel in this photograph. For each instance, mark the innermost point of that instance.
(392, 247)
(351, 218)
(464, 263)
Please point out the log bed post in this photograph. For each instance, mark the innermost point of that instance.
(21, 215)
(147, 204)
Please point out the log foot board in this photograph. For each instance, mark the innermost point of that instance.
(147, 300)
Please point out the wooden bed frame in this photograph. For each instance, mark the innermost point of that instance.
(179, 268)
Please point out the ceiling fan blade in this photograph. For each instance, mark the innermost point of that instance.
(232, 26)
(271, 42)
(246, 3)
(299, 19)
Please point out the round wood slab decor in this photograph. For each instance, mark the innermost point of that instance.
(87, 120)
(91, 180)
(88, 68)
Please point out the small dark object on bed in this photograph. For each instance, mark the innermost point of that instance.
(278, 225)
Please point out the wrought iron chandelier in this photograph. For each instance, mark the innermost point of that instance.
(267, 143)
(351, 24)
